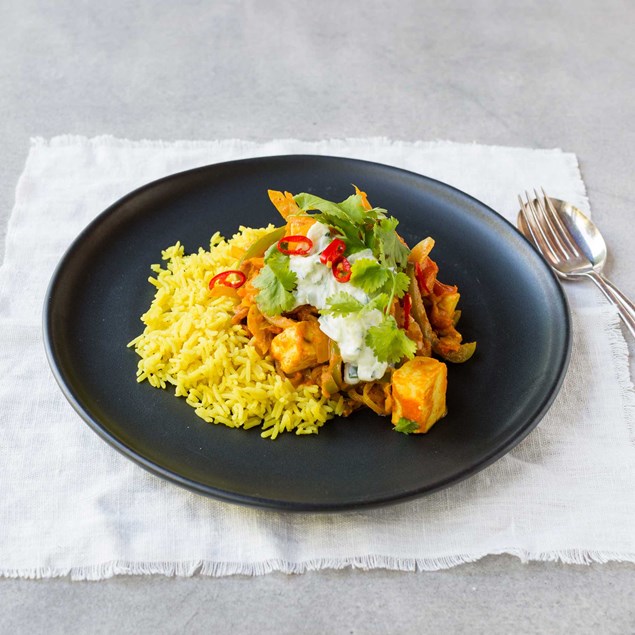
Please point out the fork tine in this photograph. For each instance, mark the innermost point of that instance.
(551, 218)
(569, 241)
(539, 236)
(524, 224)
(546, 223)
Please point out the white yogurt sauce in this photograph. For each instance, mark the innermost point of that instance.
(316, 284)
(350, 334)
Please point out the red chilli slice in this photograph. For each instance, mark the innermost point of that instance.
(342, 270)
(231, 278)
(333, 252)
(407, 307)
(295, 245)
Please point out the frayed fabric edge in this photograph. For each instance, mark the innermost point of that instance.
(111, 569)
(619, 350)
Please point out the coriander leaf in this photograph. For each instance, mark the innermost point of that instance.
(401, 282)
(370, 240)
(346, 217)
(396, 285)
(351, 234)
(276, 283)
(310, 201)
(369, 275)
(354, 207)
(390, 343)
(342, 303)
(379, 302)
(279, 264)
(272, 298)
(387, 244)
(376, 213)
(406, 426)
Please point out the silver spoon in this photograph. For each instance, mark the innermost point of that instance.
(590, 259)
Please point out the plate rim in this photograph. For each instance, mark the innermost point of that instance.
(269, 503)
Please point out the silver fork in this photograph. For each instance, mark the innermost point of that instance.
(543, 224)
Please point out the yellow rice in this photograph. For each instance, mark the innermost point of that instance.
(190, 343)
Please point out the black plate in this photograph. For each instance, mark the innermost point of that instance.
(512, 305)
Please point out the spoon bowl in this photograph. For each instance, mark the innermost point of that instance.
(586, 234)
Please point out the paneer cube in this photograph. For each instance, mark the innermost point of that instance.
(418, 392)
(300, 346)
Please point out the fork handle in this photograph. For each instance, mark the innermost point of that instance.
(625, 307)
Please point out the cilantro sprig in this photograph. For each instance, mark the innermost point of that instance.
(375, 279)
(389, 342)
(360, 228)
(369, 275)
(276, 282)
(392, 251)
(406, 426)
(342, 303)
(354, 223)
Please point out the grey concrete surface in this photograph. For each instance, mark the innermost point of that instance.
(541, 74)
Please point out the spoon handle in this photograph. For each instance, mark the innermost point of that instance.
(625, 307)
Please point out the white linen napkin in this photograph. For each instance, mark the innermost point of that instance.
(70, 504)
